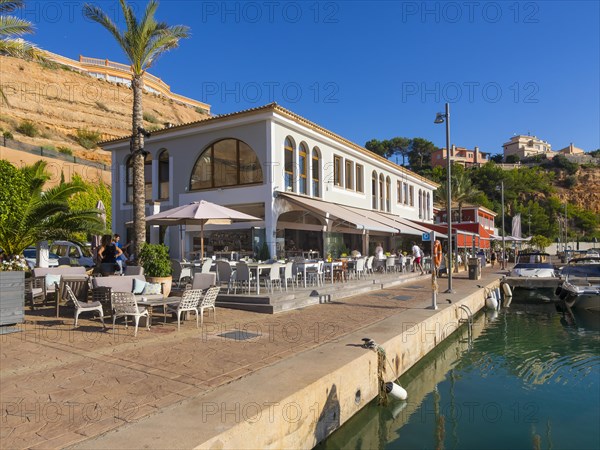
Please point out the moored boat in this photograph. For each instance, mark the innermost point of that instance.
(580, 288)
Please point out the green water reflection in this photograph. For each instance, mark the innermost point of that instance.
(529, 380)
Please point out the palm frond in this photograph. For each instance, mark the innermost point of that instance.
(18, 48)
(10, 5)
(95, 14)
(13, 26)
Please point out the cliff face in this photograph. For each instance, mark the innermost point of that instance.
(59, 102)
(586, 192)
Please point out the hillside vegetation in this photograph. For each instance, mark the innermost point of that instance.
(59, 108)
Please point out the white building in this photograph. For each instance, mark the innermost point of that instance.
(312, 189)
(526, 146)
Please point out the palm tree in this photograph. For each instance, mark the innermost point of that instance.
(11, 28)
(32, 214)
(463, 192)
(143, 41)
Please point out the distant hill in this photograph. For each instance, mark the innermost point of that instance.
(59, 101)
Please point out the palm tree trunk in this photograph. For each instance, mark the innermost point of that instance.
(139, 188)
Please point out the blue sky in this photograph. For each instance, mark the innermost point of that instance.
(376, 69)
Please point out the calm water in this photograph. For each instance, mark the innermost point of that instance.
(529, 380)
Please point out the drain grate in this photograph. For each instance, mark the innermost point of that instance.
(239, 335)
(403, 297)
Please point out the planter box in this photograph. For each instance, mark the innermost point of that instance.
(12, 297)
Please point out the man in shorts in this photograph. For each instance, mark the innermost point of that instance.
(417, 256)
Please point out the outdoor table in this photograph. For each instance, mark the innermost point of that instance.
(302, 266)
(257, 267)
(164, 302)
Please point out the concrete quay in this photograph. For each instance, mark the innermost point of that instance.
(246, 380)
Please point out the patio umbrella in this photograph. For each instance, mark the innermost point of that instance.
(199, 213)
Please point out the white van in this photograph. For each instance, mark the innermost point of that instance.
(67, 249)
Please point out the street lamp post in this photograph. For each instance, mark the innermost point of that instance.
(503, 243)
(440, 118)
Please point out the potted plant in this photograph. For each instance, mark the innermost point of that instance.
(155, 260)
(12, 290)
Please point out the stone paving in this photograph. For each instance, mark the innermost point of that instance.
(60, 386)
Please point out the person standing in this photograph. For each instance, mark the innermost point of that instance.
(108, 254)
(122, 258)
(493, 258)
(379, 257)
(417, 256)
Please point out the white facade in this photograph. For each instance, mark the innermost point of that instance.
(344, 174)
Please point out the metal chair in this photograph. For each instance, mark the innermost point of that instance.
(79, 286)
(123, 305)
(208, 302)
(225, 274)
(189, 302)
(243, 277)
(180, 272)
(81, 307)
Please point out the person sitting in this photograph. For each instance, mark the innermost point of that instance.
(355, 254)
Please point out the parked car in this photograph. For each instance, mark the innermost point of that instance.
(67, 249)
(30, 254)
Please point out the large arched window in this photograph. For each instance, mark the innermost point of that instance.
(374, 190)
(163, 175)
(428, 206)
(316, 173)
(288, 158)
(302, 169)
(381, 192)
(147, 178)
(229, 162)
(388, 194)
(420, 204)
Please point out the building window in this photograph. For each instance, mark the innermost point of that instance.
(359, 178)
(374, 190)
(289, 164)
(337, 170)
(302, 169)
(388, 194)
(229, 162)
(405, 193)
(420, 204)
(349, 174)
(412, 196)
(381, 192)
(316, 173)
(428, 212)
(398, 191)
(148, 176)
(163, 175)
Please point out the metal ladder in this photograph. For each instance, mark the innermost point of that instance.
(468, 321)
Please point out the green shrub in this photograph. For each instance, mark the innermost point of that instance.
(49, 147)
(149, 117)
(152, 128)
(201, 110)
(28, 128)
(88, 138)
(65, 150)
(155, 260)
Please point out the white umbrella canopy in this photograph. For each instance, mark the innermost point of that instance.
(199, 213)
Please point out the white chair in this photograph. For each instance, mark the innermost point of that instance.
(289, 274)
(274, 277)
(359, 268)
(123, 305)
(390, 264)
(208, 302)
(225, 274)
(243, 277)
(315, 275)
(81, 307)
(189, 302)
(206, 265)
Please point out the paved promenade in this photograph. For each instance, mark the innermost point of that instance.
(61, 386)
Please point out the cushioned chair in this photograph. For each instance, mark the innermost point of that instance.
(134, 270)
(81, 307)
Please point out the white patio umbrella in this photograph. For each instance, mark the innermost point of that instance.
(199, 213)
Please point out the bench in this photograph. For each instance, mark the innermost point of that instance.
(46, 279)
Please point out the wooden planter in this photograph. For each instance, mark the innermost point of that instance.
(12, 297)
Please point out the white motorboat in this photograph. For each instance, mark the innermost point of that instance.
(580, 288)
(533, 265)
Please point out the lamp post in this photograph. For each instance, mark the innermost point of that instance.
(503, 244)
(441, 118)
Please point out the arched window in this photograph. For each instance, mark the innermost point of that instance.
(381, 192)
(428, 213)
(147, 178)
(229, 162)
(374, 190)
(163, 175)
(420, 204)
(316, 174)
(388, 194)
(288, 159)
(302, 169)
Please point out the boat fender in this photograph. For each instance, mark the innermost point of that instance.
(507, 290)
(498, 296)
(396, 391)
(491, 303)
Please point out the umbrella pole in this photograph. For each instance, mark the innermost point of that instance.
(202, 242)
